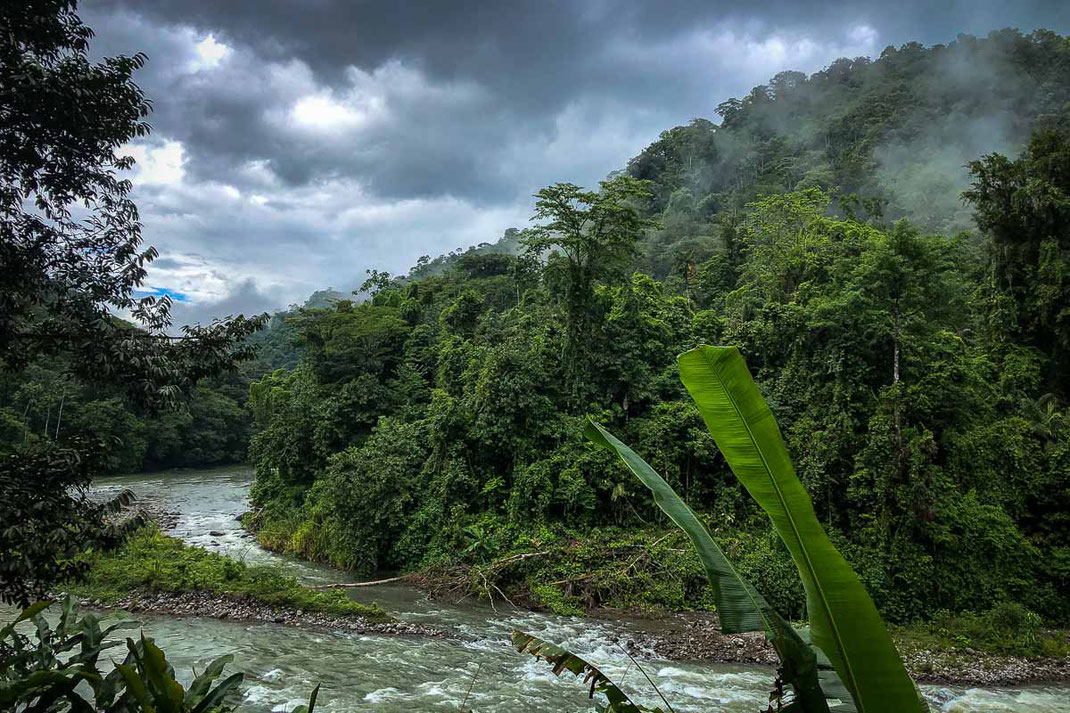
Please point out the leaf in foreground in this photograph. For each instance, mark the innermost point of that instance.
(563, 660)
(740, 607)
(844, 621)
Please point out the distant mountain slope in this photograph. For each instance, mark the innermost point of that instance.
(899, 128)
(897, 131)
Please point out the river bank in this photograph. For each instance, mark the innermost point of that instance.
(416, 672)
(197, 583)
(695, 636)
(691, 636)
(598, 577)
(243, 609)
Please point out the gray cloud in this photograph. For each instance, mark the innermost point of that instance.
(310, 141)
(245, 298)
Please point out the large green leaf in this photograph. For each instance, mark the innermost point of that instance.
(166, 692)
(740, 607)
(844, 621)
(202, 683)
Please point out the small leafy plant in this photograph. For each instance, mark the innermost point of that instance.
(58, 671)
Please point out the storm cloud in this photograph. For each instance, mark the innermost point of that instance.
(296, 144)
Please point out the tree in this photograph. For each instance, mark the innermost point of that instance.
(1023, 208)
(682, 157)
(63, 275)
(71, 256)
(597, 231)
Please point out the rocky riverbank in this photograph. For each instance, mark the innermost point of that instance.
(223, 606)
(695, 637)
(690, 636)
(682, 637)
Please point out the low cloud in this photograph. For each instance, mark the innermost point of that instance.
(245, 298)
(295, 146)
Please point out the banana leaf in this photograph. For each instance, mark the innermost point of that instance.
(740, 607)
(168, 694)
(310, 707)
(844, 621)
(563, 660)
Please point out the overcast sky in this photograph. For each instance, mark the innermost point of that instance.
(296, 144)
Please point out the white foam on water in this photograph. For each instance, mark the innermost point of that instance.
(1006, 700)
(257, 694)
(381, 695)
(273, 675)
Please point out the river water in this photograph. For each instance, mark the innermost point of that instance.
(380, 673)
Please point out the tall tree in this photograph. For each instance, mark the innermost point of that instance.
(71, 256)
(1023, 208)
(597, 232)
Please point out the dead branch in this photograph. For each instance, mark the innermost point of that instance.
(350, 585)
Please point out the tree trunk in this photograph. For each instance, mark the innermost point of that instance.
(59, 416)
(900, 455)
(895, 342)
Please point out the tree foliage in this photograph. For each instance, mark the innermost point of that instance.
(912, 430)
(71, 256)
(596, 232)
(1023, 206)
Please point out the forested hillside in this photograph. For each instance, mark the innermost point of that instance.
(897, 130)
(918, 371)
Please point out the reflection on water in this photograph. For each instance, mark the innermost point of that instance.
(282, 664)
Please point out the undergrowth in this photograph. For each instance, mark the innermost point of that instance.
(572, 573)
(152, 561)
(1007, 629)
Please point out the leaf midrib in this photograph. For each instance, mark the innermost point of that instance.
(795, 530)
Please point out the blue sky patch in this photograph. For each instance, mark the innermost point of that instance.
(160, 292)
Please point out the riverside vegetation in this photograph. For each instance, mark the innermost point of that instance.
(907, 324)
(150, 562)
(917, 370)
(845, 627)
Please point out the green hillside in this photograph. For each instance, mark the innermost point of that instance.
(914, 367)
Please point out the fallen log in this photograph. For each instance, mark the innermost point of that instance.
(350, 585)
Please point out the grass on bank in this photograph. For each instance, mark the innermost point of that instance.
(153, 561)
(1007, 629)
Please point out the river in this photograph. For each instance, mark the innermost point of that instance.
(380, 673)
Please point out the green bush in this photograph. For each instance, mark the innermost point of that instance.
(1008, 628)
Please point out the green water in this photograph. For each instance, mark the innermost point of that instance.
(376, 673)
